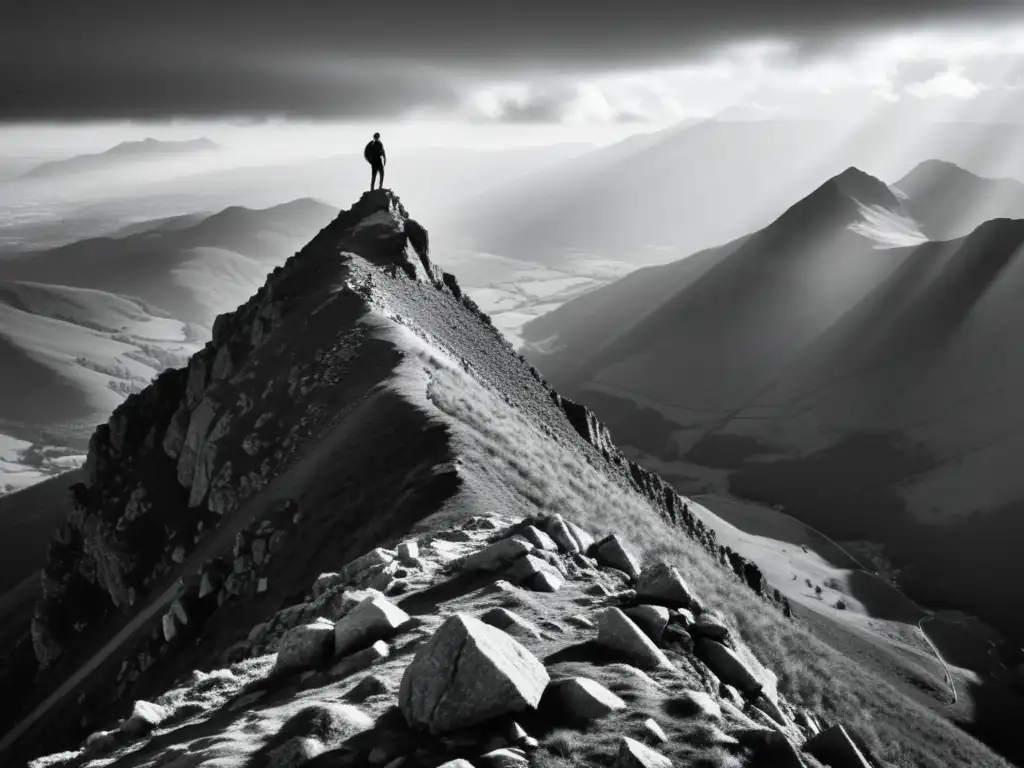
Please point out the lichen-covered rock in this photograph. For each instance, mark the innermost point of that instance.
(633, 754)
(611, 551)
(661, 584)
(615, 630)
(375, 618)
(466, 673)
(306, 645)
(579, 698)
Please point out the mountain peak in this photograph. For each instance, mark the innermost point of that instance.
(864, 188)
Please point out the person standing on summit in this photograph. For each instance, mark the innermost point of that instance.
(374, 154)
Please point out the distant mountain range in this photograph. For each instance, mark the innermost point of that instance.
(668, 194)
(840, 363)
(126, 152)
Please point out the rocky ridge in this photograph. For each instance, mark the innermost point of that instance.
(373, 668)
(301, 438)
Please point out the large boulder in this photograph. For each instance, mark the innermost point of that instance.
(661, 584)
(376, 618)
(466, 673)
(611, 551)
(306, 645)
(633, 754)
(615, 630)
(337, 603)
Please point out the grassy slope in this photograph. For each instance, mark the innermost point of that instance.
(892, 726)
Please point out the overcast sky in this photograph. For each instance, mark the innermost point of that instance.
(571, 67)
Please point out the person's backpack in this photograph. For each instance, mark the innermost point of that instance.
(372, 152)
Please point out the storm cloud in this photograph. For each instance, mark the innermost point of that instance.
(262, 58)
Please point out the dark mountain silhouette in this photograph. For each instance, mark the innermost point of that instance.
(120, 156)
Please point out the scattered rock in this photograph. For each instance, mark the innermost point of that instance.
(580, 698)
(261, 586)
(504, 758)
(510, 622)
(558, 530)
(371, 685)
(612, 552)
(356, 570)
(580, 621)
(545, 581)
(324, 582)
(408, 552)
(306, 645)
(376, 618)
(711, 626)
(653, 731)
(294, 752)
(497, 555)
(633, 754)
(539, 539)
(729, 667)
(652, 619)
(169, 626)
(145, 717)
(583, 539)
(468, 672)
(660, 583)
(615, 630)
(698, 704)
(360, 660)
(339, 603)
(259, 551)
(178, 555)
(683, 617)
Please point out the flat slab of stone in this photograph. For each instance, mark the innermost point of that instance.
(466, 673)
(375, 618)
(580, 698)
(652, 619)
(617, 631)
(633, 754)
(497, 555)
(306, 645)
(612, 551)
(661, 584)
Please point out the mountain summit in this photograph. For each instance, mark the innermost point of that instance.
(359, 529)
(119, 155)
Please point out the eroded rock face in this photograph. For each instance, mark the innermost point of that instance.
(466, 673)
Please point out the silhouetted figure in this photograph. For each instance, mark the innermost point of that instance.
(374, 154)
